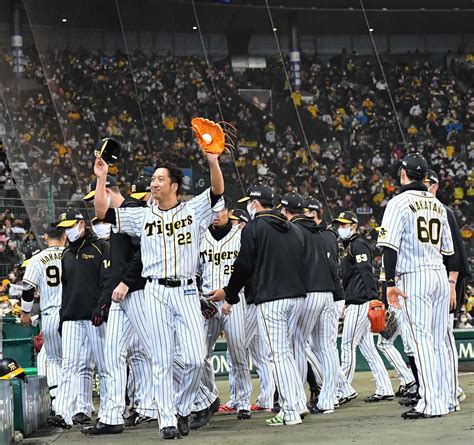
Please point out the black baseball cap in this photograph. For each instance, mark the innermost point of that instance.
(311, 204)
(261, 192)
(140, 187)
(292, 201)
(108, 149)
(239, 215)
(110, 182)
(29, 251)
(416, 165)
(432, 176)
(346, 218)
(69, 218)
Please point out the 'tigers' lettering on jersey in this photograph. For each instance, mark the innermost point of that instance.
(156, 227)
(208, 256)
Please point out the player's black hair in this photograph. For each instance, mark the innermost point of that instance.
(228, 204)
(175, 173)
(54, 232)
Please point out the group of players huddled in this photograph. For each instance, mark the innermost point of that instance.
(148, 286)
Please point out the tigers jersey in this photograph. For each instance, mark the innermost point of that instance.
(217, 258)
(44, 273)
(415, 224)
(169, 239)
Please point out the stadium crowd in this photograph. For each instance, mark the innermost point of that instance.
(355, 161)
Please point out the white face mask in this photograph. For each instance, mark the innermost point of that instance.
(251, 210)
(73, 234)
(344, 232)
(102, 230)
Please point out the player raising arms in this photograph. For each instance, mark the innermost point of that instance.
(169, 234)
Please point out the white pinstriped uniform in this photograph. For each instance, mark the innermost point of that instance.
(415, 224)
(43, 272)
(216, 264)
(170, 249)
(84, 403)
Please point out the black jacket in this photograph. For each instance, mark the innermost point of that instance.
(358, 279)
(271, 253)
(126, 264)
(319, 272)
(85, 277)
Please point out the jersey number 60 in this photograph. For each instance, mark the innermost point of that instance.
(428, 232)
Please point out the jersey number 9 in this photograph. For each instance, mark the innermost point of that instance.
(428, 232)
(53, 276)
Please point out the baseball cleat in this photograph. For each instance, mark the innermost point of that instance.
(226, 409)
(80, 419)
(102, 428)
(170, 433)
(201, 418)
(403, 390)
(454, 408)
(348, 398)
(244, 414)
(136, 419)
(276, 408)
(378, 398)
(409, 401)
(58, 421)
(413, 414)
(322, 411)
(255, 408)
(183, 425)
(462, 396)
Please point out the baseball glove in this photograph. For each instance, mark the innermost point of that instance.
(208, 309)
(390, 325)
(210, 135)
(376, 316)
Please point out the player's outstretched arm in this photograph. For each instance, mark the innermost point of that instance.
(100, 197)
(217, 179)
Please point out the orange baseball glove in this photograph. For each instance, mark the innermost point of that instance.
(377, 316)
(210, 136)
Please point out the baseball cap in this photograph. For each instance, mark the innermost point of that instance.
(140, 187)
(239, 215)
(311, 203)
(292, 201)
(110, 182)
(346, 218)
(28, 253)
(416, 164)
(69, 218)
(108, 149)
(432, 176)
(261, 192)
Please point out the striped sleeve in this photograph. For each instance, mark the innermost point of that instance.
(447, 245)
(32, 274)
(392, 227)
(129, 220)
(203, 209)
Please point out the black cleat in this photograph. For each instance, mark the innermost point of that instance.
(183, 425)
(102, 428)
(81, 419)
(410, 401)
(244, 414)
(413, 414)
(404, 390)
(58, 421)
(347, 399)
(201, 418)
(135, 419)
(374, 398)
(170, 433)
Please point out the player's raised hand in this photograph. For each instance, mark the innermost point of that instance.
(216, 295)
(100, 168)
(393, 294)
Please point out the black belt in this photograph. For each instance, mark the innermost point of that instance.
(170, 282)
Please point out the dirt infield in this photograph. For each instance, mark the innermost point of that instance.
(355, 423)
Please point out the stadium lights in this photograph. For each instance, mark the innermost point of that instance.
(64, 20)
(371, 29)
(275, 29)
(195, 27)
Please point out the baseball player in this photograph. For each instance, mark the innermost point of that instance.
(270, 253)
(219, 249)
(415, 235)
(317, 317)
(169, 239)
(43, 273)
(457, 266)
(85, 280)
(360, 287)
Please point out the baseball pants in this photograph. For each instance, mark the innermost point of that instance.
(74, 335)
(426, 309)
(278, 322)
(356, 332)
(85, 381)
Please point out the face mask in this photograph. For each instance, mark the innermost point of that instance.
(344, 232)
(251, 210)
(102, 230)
(73, 234)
